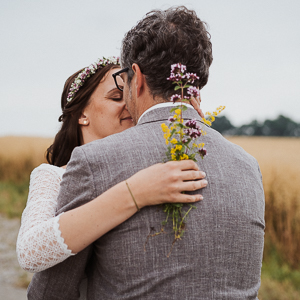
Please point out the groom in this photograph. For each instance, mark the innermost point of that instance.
(220, 254)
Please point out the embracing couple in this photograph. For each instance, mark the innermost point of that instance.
(92, 218)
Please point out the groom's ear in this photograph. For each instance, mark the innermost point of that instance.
(139, 81)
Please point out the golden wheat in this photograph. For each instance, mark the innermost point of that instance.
(20, 155)
(278, 158)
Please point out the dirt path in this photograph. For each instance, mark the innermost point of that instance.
(13, 279)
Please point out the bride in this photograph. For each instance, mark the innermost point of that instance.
(92, 108)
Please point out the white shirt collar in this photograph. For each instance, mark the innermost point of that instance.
(164, 104)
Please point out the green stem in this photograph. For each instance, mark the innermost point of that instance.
(185, 216)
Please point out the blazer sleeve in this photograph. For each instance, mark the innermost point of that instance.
(77, 186)
(63, 280)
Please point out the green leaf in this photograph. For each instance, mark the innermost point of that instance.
(186, 86)
(177, 88)
(184, 108)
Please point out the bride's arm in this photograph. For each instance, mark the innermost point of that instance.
(157, 184)
(45, 240)
(39, 243)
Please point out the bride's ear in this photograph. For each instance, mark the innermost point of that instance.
(83, 120)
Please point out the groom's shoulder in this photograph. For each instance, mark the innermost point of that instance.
(115, 141)
(228, 149)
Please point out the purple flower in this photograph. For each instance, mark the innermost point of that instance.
(175, 77)
(175, 97)
(193, 91)
(171, 119)
(192, 133)
(193, 124)
(193, 130)
(178, 68)
(202, 152)
(191, 76)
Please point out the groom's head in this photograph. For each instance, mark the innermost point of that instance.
(163, 38)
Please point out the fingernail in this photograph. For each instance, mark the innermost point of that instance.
(203, 174)
(200, 197)
(204, 182)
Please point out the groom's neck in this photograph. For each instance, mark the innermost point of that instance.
(146, 103)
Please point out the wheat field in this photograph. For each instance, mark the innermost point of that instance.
(279, 161)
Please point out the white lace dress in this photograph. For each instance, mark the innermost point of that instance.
(40, 244)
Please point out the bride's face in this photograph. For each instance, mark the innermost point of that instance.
(106, 112)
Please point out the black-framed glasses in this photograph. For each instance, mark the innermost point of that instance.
(118, 74)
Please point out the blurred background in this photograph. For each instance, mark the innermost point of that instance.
(255, 74)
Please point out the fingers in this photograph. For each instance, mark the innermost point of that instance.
(190, 186)
(183, 165)
(196, 106)
(192, 175)
(186, 198)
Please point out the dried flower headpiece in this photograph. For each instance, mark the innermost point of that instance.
(87, 72)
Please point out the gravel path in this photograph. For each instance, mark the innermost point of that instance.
(13, 279)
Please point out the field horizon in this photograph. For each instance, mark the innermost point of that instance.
(279, 162)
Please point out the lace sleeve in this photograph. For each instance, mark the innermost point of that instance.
(40, 244)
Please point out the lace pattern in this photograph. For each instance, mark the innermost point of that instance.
(40, 244)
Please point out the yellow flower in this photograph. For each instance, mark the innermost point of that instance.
(194, 145)
(201, 145)
(208, 113)
(184, 156)
(178, 111)
(175, 117)
(178, 147)
(167, 142)
(206, 122)
(173, 151)
(174, 141)
(173, 157)
(167, 135)
(164, 127)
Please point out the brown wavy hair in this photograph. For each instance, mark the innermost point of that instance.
(70, 136)
(163, 38)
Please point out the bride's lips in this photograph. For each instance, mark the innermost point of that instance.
(127, 118)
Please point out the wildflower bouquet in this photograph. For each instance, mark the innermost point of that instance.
(181, 138)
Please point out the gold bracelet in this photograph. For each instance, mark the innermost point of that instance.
(132, 196)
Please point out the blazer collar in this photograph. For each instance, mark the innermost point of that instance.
(163, 113)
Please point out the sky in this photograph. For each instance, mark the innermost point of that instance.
(256, 47)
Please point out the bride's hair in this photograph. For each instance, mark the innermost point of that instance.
(70, 136)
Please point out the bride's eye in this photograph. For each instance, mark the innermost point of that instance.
(117, 97)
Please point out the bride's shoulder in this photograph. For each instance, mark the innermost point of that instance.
(46, 169)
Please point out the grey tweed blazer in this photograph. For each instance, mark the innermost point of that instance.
(220, 254)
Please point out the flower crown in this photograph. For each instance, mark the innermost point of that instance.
(87, 72)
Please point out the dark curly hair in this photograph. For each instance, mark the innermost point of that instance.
(163, 38)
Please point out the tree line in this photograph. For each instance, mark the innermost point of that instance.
(281, 126)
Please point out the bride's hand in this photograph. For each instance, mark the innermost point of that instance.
(195, 102)
(164, 183)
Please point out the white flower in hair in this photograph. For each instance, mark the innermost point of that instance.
(87, 72)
